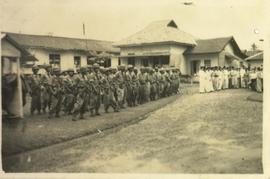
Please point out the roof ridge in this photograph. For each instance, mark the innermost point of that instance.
(49, 36)
(216, 38)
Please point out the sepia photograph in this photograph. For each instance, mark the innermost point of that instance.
(132, 87)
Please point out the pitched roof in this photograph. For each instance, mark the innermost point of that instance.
(210, 45)
(165, 31)
(62, 43)
(25, 55)
(214, 46)
(258, 56)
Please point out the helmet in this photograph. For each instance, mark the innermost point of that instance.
(35, 67)
(83, 69)
(56, 70)
(129, 66)
(70, 70)
(95, 65)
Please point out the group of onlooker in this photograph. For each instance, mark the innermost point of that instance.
(220, 78)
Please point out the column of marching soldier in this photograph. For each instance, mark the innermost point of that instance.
(91, 86)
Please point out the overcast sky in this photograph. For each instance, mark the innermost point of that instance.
(117, 19)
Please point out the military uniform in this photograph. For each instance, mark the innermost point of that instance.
(69, 92)
(81, 97)
(56, 92)
(95, 98)
(45, 97)
(109, 89)
(153, 85)
(35, 91)
(121, 91)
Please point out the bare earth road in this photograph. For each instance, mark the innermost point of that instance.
(219, 132)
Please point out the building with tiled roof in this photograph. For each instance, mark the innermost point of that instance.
(163, 43)
(62, 52)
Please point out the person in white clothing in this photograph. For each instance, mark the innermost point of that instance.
(202, 78)
(220, 78)
(208, 80)
(225, 78)
(242, 73)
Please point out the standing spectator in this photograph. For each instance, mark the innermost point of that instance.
(225, 78)
(253, 78)
(259, 80)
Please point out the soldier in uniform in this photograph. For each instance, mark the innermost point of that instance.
(108, 89)
(167, 82)
(130, 86)
(119, 76)
(157, 76)
(79, 102)
(45, 83)
(35, 91)
(136, 84)
(56, 92)
(142, 80)
(69, 91)
(153, 84)
(95, 102)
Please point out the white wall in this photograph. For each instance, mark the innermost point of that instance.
(66, 57)
(8, 49)
(114, 61)
(177, 58)
(141, 50)
(214, 57)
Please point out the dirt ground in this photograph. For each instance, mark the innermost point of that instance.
(219, 132)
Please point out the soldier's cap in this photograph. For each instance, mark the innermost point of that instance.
(89, 66)
(92, 59)
(35, 67)
(129, 66)
(102, 69)
(101, 61)
(81, 85)
(56, 70)
(46, 66)
(121, 67)
(64, 71)
(113, 68)
(70, 70)
(95, 65)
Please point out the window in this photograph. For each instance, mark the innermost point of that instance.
(207, 63)
(165, 60)
(54, 60)
(131, 61)
(91, 60)
(145, 62)
(77, 61)
(108, 63)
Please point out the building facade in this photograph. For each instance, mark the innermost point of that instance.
(63, 52)
(163, 43)
(255, 61)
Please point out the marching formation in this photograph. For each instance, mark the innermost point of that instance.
(85, 91)
(220, 78)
